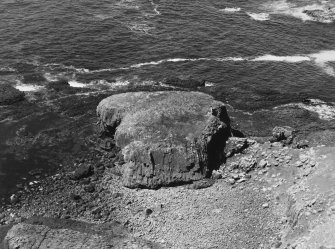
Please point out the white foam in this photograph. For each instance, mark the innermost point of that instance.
(230, 59)
(7, 69)
(259, 16)
(176, 60)
(73, 68)
(231, 10)
(322, 58)
(287, 59)
(74, 83)
(282, 7)
(209, 84)
(103, 17)
(155, 6)
(325, 111)
(139, 28)
(28, 88)
(51, 78)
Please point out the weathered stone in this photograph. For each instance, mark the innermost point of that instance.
(205, 183)
(283, 134)
(235, 145)
(82, 171)
(90, 188)
(262, 163)
(325, 15)
(68, 235)
(166, 137)
(246, 164)
(9, 94)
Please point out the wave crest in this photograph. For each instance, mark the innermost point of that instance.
(259, 16)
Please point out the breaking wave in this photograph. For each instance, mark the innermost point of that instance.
(288, 59)
(259, 16)
(28, 87)
(283, 7)
(320, 59)
(231, 10)
(325, 111)
(155, 6)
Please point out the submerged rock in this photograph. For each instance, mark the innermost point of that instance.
(166, 138)
(10, 95)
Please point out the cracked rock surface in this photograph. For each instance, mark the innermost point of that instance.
(166, 137)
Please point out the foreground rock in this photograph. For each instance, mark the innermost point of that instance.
(166, 137)
(41, 233)
(10, 95)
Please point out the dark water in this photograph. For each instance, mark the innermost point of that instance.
(90, 41)
(260, 54)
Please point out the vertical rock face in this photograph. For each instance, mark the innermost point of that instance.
(166, 137)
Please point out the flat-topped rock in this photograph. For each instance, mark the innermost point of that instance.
(166, 138)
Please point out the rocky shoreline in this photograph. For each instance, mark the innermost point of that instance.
(267, 192)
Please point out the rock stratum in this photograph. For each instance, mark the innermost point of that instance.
(166, 138)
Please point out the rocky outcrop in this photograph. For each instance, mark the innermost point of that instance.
(166, 138)
(10, 95)
(283, 134)
(325, 15)
(53, 233)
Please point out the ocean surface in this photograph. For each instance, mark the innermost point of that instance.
(253, 50)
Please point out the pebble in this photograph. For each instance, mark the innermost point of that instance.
(90, 188)
(265, 205)
(262, 163)
(299, 164)
(148, 212)
(231, 181)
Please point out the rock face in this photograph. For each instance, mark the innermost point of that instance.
(322, 15)
(68, 234)
(9, 95)
(166, 138)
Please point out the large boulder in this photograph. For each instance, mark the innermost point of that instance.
(166, 138)
(9, 94)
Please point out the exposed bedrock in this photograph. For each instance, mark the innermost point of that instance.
(42, 233)
(166, 138)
